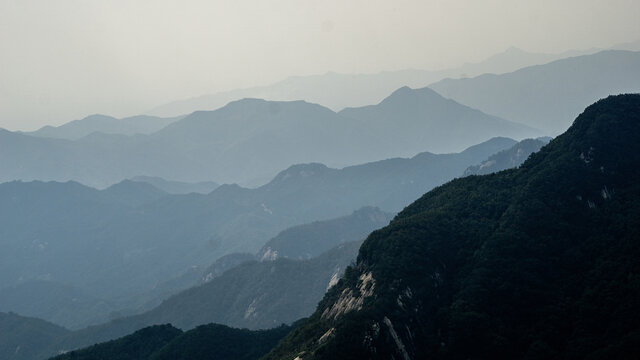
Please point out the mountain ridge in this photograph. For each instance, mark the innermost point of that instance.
(525, 263)
(250, 140)
(548, 96)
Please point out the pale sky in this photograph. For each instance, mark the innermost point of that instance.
(61, 60)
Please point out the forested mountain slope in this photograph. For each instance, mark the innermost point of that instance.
(534, 263)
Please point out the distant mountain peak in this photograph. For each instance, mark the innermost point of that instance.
(406, 96)
(514, 50)
(406, 91)
(300, 171)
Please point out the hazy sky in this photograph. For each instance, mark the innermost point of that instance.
(64, 59)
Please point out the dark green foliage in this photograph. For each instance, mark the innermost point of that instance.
(219, 342)
(164, 342)
(137, 346)
(534, 263)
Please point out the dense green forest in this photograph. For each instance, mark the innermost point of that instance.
(165, 342)
(534, 263)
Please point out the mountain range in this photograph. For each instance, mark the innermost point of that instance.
(306, 241)
(177, 187)
(536, 262)
(548, 96)
(497, 249)
(131, 237)
(254, 295)
(250, 140)
(73, 130)
(338, 91)
(193, 307)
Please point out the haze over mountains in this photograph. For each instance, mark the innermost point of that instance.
(250, 140)
(177, 187)
(338, 91)
(425, 170)
(260, 211)
(73, 130)
(559, 231)
(145, 236)
(548, 95)
(255, 295)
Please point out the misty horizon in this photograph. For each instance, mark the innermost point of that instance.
(122, 59)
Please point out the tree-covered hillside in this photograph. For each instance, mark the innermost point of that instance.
(534, 263)
(165, 342)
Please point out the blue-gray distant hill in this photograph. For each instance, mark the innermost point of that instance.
(275, 291)
(338, 91)
(260, 294)
(250, 140)
(415, 117)
(508, 159)
(255, 295)
(310, 240)
(131, 238)
(177, 187)
(548, 96)
(25, 338)
(73, 130)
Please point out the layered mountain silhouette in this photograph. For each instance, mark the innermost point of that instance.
(415, 117)
(132, 237)
(283, 300)
(338, 91)
(255, 295)
(548, 96)
(177, 187)
(73, 130)
(250, 140)
(271, 293)
(531, 263)
(535, 262)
